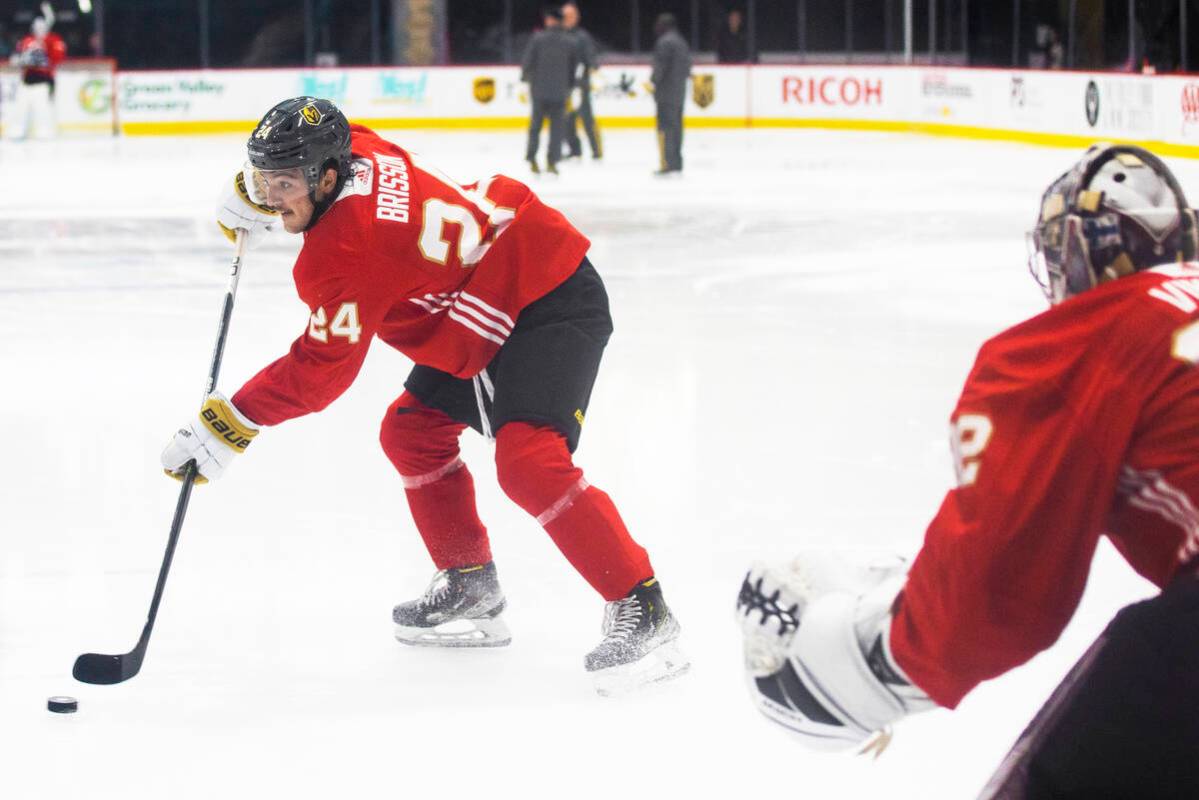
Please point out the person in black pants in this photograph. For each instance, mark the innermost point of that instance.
(581, 113)
(672, 68)
(549, 68)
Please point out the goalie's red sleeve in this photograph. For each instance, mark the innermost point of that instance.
(438, 270)
(1082, 421)
(54, 48)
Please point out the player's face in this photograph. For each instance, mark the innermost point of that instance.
(286, 191)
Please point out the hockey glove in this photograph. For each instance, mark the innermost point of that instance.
(212, 439)
(238, 210)
(817, 657)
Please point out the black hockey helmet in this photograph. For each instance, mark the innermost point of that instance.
(1117, 211)
(306, 133)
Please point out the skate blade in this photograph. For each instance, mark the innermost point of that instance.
(459, 633)
(664, 663)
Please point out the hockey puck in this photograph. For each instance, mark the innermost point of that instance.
(63, 705)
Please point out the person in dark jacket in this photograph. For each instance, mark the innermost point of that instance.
(732, 44)
(549, 67)
(581, 112)
(672, 68)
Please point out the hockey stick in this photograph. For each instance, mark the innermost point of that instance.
(105, 669)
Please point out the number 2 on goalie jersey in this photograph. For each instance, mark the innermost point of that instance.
(968, 437)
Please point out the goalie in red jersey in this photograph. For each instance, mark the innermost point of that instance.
(38, 56)
(1078, 423)
(489, 291)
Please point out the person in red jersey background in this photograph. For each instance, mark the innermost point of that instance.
(1080, 422)
(38, 55)
(489, 291)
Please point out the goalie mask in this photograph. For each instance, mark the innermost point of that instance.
(291, 149)
(1117, 211)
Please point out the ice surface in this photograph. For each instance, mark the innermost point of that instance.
(794, 319)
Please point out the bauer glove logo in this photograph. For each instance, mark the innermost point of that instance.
(223, 423)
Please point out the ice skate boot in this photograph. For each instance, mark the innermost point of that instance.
(640, 643)
(461, 608)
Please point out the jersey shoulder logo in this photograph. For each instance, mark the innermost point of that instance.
(362, 172)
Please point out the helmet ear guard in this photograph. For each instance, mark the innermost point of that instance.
(1117, 211)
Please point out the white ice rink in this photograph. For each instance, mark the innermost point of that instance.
(794, 320)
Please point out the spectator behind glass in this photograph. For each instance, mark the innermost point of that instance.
(1049, 52)
(732, 43)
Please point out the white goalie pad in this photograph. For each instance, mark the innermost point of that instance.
(813, 630)
(825, 691)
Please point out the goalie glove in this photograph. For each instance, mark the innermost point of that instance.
(817, 657)
(212, 440)
(239, 211)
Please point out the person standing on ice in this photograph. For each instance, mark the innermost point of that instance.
(491, 293)
(1080, 422)
(38, 56)
(549, 66)
(671, 73)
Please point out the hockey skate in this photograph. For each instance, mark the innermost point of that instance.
(640, 644)
(461, 608)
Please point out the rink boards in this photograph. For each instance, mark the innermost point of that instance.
(1055, 108)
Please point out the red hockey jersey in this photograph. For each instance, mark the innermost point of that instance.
(44, 57)
(437, 270)
(1079, 422)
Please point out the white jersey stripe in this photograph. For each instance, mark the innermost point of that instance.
(461, 307)
(495, 312)
(1150, 492)
(490, 323)
(454, 315)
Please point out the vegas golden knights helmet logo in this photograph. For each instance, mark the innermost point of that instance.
(703, 89)
(311, 114)
(484, 89)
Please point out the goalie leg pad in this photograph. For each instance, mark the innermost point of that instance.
(826, 691)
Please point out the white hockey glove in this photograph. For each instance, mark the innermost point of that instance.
(576, 99)
(238, 210)
(817, 656)
(217, 434)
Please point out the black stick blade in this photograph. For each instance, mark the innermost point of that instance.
(105, 670)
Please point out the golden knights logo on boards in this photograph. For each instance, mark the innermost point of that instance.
(311, 114)
(484, 89)
(703, 89)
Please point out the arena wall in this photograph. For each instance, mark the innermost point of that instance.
(1049, 108)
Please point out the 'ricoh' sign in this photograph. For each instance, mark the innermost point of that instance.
(832, 90)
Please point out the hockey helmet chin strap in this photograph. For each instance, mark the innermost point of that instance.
(319, 207)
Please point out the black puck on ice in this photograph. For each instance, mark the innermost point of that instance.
(63, 705)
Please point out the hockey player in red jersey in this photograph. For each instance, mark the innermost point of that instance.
(1080, 422)
(490, 292)
(38, 55)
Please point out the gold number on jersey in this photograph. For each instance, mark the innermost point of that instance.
(437, 213)
(316, 325)
(968, 437)
(345, 324)
(1186, 343)
(434, 247)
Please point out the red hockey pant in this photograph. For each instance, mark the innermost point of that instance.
(534, 469)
